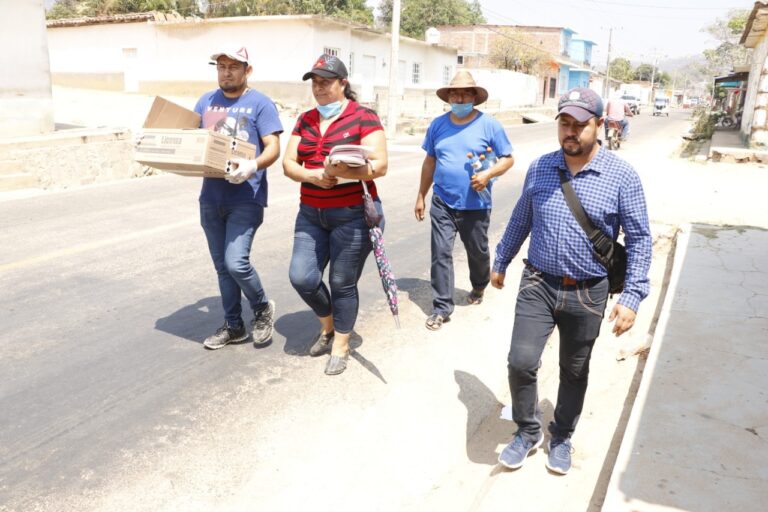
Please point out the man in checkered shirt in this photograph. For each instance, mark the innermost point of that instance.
(563, 283)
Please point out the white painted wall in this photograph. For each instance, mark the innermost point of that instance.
(510, 88)
(25, 82)
(282, 49)
(756, 102)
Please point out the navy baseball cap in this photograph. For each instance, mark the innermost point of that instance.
(581, 104)
(327, 66)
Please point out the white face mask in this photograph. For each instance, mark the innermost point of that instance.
(329, 110)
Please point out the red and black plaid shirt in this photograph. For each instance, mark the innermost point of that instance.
(355, 123)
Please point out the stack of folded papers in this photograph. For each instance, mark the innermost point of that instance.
(351, 154)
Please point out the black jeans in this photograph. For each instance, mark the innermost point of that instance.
(543, 302)
(472, 226)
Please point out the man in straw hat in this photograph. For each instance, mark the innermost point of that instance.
(466, 149)
(563, 283)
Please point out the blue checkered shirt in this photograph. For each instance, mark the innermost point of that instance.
(612, 195)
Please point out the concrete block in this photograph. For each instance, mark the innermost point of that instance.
(17, 181)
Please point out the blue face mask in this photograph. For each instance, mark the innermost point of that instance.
(329, 110)
(462, 110)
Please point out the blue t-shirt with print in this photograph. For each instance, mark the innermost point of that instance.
(249, 117)
(449, 144)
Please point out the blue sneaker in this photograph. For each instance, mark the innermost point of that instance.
(513, 455)
(559, 460)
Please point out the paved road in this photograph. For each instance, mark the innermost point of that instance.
(108, 292)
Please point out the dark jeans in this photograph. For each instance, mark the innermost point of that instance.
(624, 123)
(229, 230)
(472, 226)
(543, 302)
(338, 236)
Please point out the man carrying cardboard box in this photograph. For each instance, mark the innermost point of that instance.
(232, 209)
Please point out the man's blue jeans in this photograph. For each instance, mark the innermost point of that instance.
(229, 230)
(472, 226)
(338, 236)
(543, 302)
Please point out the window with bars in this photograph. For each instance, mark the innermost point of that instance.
(446, 75)
(334, 52)
(416, 74)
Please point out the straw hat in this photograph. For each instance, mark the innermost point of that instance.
(463, 80)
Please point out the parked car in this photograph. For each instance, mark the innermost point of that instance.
(633, 102)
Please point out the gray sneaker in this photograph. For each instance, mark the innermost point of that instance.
(515, 453)
(263, 325)
(224, 336)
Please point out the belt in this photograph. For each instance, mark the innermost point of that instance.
(563, 280)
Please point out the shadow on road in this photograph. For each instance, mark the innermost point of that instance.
(194, 322)
(420, 293)
(486, 431)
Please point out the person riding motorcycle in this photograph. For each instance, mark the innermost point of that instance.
(618, 110)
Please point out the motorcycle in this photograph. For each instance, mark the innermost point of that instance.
(723, 119)
(613, 135)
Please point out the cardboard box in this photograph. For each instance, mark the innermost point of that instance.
(173, 142)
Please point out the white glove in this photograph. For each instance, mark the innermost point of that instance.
(239, 170)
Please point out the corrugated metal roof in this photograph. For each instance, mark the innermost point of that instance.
(757, 22)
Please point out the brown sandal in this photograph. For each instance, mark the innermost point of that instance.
(436, 321)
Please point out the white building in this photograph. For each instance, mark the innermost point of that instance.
(155, 54)
(25, 83)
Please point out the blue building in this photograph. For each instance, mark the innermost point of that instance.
(580, 53)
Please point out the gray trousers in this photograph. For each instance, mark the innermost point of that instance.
(472, 226)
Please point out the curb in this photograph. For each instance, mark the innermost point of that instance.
(615, 500)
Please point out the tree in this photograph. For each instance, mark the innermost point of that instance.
(621, 69)
(352, 10)
(63, 9)
(729, 52)
(645, 72)
(76, 8)
(418, 15)
(516, 50)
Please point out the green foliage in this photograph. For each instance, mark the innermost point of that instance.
(78, 8)
(663, 79)
(416, 16)
(352, 10)
(621, 69)
(63, 9)
(729, 52)
(645, 72)
(516, 51)
(703, 125)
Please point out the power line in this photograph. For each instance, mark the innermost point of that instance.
(649, 6)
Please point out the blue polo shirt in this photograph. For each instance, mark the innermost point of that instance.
(449, 143)
(249, 117)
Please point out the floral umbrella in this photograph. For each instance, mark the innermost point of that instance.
(372, 218)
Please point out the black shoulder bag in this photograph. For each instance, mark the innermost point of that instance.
(610, 253)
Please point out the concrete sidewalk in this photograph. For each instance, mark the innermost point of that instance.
(728, 145)
(697, 438)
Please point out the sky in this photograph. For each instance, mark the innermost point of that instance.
(643, 30)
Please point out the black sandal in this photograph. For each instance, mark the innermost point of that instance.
(475, 297)
(436, 321)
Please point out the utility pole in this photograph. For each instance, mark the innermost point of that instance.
(607, 87)
(394, 61)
